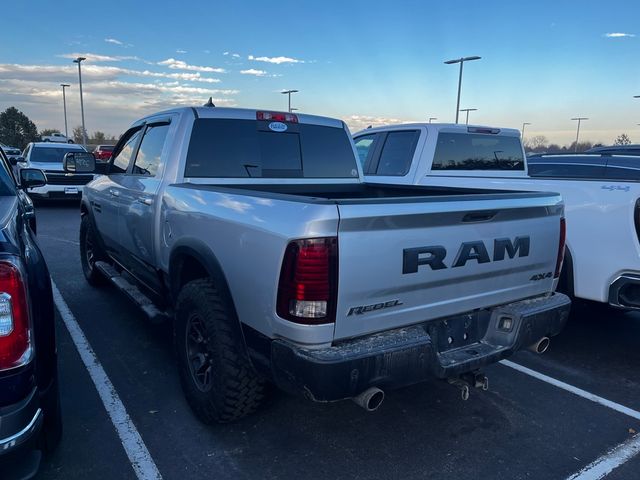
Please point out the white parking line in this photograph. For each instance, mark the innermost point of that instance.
(141, 461)
(607, 463)
(575, 390)
(621, 454)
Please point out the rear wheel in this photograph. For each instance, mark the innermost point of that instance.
(90, 253)
(219, 382)
(69, 141)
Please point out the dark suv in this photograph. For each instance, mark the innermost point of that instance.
(30, 418)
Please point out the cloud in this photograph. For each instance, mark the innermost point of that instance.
(181, 51)
(276, 60)
(114, 41)
(253, 71)
(234, 55)
(98, 58)
(360, 122)
(180, 65)
(619, 35)
(69, 73)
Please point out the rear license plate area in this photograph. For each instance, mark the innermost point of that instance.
(459, 331)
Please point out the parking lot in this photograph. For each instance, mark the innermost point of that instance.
(527, 426)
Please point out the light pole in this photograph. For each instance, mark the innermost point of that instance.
(523, 126)
(289, 92)
(461, 62)
(79, 60)
(432, 118)
(467, 110)
(64, 105)
(579, 119)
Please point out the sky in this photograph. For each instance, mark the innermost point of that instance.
(368, 63)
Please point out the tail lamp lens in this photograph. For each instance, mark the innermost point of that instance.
(307, 288)
(15, 334)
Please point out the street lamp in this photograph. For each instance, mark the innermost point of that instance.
(64, 105)
(461, 62)
(524, 125)
(289, 92)
(467, 110)
(579, 119)
(432, 118)
(79, 60)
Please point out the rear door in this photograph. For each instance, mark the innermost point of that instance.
(138, 197)
(412, 261)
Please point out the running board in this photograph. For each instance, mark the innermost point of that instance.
(133, 292)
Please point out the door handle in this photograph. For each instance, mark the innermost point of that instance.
(114, 193)
(145, 201)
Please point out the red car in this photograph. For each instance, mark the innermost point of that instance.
(103, 152)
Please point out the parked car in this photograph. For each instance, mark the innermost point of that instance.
(281, 265)
(633, 149)
(103, 152)
(601, 193)
(56, 137)
(10, 151)
(60, 184)
(592, 166)
(30, 415)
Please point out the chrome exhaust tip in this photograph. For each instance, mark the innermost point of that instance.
(370, 399)
(540, 346)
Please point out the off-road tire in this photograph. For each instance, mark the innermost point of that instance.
(89, 243)
(234, 389)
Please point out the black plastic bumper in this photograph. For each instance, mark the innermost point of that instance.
(440, 348)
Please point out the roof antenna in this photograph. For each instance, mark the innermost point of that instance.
(209, 103)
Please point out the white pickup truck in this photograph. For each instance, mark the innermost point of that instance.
(601, 193)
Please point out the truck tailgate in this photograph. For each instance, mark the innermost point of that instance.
(415, 260)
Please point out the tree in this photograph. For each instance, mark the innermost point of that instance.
(622, 139)
(16, 129)
(98, 137)
(48, 132)
(77, 134)
(537, 143)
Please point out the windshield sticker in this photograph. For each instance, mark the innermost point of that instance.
(278, 127)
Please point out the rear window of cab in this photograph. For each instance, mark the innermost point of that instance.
(474, 151)
(232, 148)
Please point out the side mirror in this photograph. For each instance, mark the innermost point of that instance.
(32, 177)
(79, 162)
(15, 160)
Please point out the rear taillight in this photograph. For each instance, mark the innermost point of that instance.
(563, 239)
(309, 281)
(15, 334)
(277, 117)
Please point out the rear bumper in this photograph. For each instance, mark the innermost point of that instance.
(624, 292)
(20, 427)
(441, 348)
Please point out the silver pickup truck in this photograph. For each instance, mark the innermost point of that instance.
(255, 234)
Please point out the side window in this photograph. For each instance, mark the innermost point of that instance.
(148, 158)
(623, 168)
(120, 162)
(363, 147)
(397, 152)
(567, 167)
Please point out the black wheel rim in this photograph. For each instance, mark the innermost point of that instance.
(88, 251)
(198, 354)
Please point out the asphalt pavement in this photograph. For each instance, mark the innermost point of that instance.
(522, 428)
